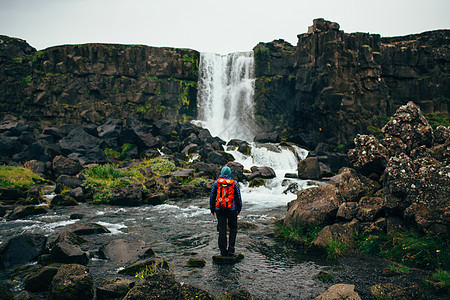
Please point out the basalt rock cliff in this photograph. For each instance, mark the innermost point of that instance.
(89, 83)
(328, 88)
(333, 85)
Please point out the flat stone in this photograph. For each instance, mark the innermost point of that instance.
(223, 260)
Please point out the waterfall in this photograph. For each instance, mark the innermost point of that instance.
(225, 97)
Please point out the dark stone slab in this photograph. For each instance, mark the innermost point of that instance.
(223, 260)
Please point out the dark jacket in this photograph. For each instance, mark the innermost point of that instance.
(237, 202)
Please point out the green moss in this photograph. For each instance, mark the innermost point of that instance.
(26, 80)
(115, 90)
(436, 119)
(17, 60)
(188, 58)
(199, 182)
(17, 178)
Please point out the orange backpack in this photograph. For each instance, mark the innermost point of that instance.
(225, 193)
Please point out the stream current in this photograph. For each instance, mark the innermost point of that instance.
(176, 230)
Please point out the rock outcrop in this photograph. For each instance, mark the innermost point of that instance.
(91, 82)
(409, 185)
(333, 85)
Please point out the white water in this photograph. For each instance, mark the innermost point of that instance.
(226, 109)
(225, 97)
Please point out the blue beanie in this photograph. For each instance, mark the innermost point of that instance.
(226, 171)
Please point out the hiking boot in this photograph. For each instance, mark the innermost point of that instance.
(224, 253)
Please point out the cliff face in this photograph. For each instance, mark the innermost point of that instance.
(333, 85)
(88, 83)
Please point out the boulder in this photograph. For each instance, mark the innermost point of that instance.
(163, 286)
(353, 186)
(315, 206)
(114, 288)
(347, 210)
(196, 262)
(216, 158)
(142, 265)
(340, 291)
(63, 165)
(308, 168)
(369, 155)
(128, 195)
(262, 172)
(82, 147)
(72, 282)
(77, 194)
(124, 251)
(335, 232)
(22, 249)
(21, 212)
(256, 182)
(110, 129)
(38, 167)
(325, 170)
(369, 208)
(441, 134)
(64, 252)
(269, 137)
(65, 182)
(8, 145)
(86, 229)
(410, 126)
(293, 188)
(63, 200)
(204, 169)
(40, 280)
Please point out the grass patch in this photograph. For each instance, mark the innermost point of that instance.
(106, 177)
(409, 248)
(154, 268)
(297, 234)
(17, 178)
(399, 269)
(158, 165)
(443, 277)
(335, 249)
(114, 154)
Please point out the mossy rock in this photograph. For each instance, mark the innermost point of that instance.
(196, 262)
(256, 182)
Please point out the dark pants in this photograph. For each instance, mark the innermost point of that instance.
(225, 217)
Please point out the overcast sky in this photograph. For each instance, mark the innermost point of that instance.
(209, 25)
